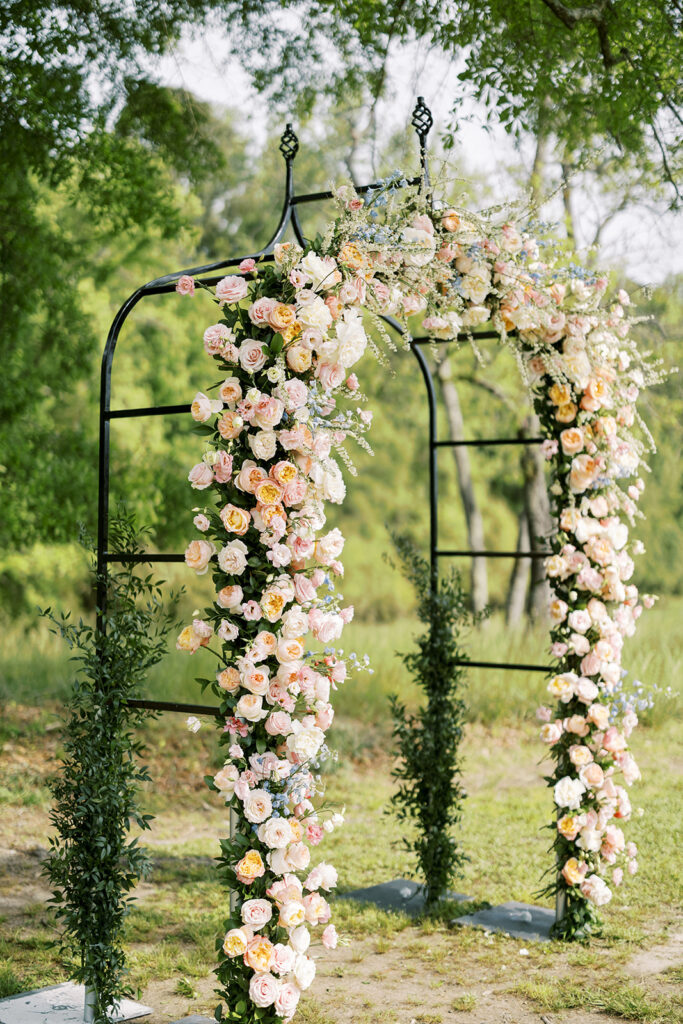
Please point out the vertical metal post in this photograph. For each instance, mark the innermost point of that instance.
(90, 1004)
(233, 829)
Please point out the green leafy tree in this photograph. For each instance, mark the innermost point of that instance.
(602, 71)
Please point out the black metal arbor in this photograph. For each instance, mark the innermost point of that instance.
(289, 145)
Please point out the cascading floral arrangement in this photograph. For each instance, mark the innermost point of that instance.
(289, 333)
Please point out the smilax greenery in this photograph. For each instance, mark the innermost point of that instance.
(429, 789)
(93, 864)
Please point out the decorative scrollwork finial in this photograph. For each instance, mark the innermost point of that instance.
(422, 121)
(289, 143)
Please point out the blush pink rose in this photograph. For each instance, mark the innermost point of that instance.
(329, 937)
(201, 476)
(223, 467)
(259, 311)
(185, 285)
(263, 989)
(231, 290)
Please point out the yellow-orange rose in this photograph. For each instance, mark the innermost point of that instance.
(268, 492)
(352, 256)
(282, 316)
(292, 332)
(235, 942)
(259, 954)
(450, 221)
(572, 440)
(566, 413)
(559, 394)
(251, 866)
(572, 874)
(235, 520)
(569, 826)
(272, 604)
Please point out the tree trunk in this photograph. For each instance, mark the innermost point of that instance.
(567, 192)
(473, 516)
(537, 508)
(538, 171)
(515, 602)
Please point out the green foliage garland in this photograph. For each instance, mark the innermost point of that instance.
(93, 864)
(430, 792)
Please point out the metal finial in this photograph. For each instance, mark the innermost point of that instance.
(289, 143)
(422, 120)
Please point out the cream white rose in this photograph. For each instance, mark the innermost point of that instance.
(233, 558)
(263, 444)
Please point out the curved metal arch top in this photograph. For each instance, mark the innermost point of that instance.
(289, 217)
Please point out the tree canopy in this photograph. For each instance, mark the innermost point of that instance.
(607, 70)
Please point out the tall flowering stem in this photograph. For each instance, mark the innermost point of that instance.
(275, 424)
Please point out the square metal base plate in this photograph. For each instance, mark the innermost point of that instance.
(401, 894)
(520, 920)
(59, 1004)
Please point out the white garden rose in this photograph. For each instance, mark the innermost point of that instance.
(351, 338)
(305, 743)
(320, 272)
(275, 833)
(420, 246)
(250, 707)
(300, 939)
(263, 444)
(568, 793)
(304, 971)
(315, 315)
(294, 623)
(328, 481)
(257, 806)
(233, 557)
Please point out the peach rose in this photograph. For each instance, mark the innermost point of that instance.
(235, 942)
(583, 472)
(572, 873)
(201, 476)
(198, 554)
(230, 425)
(572, 440)
(259, 953)
(230, 390)
(235, 520)
(250, 867)
(299, 358)
(229, 679)
(569, 826)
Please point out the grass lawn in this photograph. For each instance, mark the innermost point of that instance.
(390, 970)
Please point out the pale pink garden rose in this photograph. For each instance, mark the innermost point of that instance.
(298, 857)
(278, 723)
(551, 732)
(617, 876)
(263, 989)
(579, 644)
(255, 678)
(614, 741)
(252, 355)
(263, 444)
(317, 908)
(283, 958)
(562, 686)
(558, 610)
(257, 807)
(276, 833)
(225, 779)
(215, 338)
(592, 775)
(286, 1000)
(304, 971)
(268, 412)
(201, 476)
(579, 621)
(295, 394)
(314, 833)
(598, 714)
(580, 755)
(324, 716)
(577, 724)
(229, 597)
(201, 522)
(247, 266)
(629, 768)
(556, 567)
(185, 285)
(596, 890)
(222, 467)
(329, 937)
(292, 913)
(586, 690)
(230, 290)
(198, 554)
(232, 559)
(330, 375)
(227, 631)
(323, 876)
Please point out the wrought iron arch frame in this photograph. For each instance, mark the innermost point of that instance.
(289, 146)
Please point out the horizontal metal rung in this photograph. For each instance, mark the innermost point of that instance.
(150, 410)
(461, 336)
(494, 554)
(127, 557)
(503, 665)
(487, 442)
(183, 709)
(312, 197)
